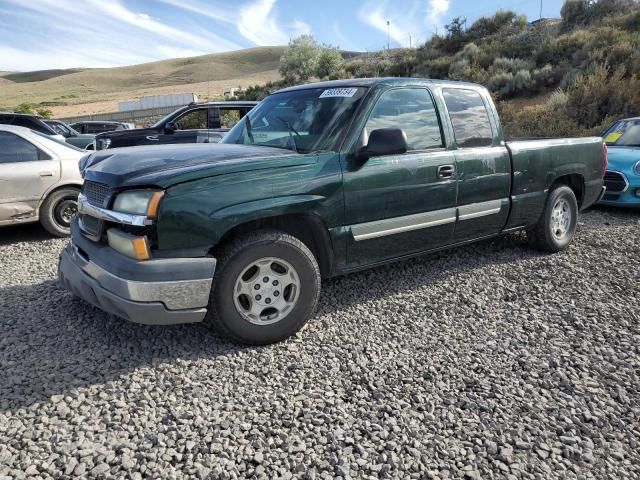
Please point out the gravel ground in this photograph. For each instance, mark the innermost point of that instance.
(489, 361)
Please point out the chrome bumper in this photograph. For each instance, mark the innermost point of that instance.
(162, 301)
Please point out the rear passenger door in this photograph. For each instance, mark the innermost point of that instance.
(26, 172)
(484, 167)
(401, 204)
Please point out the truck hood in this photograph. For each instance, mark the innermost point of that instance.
(132, 133)
(166, 165)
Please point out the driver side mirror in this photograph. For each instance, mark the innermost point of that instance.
(384, 141)
(170, 127)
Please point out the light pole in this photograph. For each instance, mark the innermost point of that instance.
(387, 35)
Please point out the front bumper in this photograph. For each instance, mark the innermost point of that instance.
(154, 292)
(630, 197)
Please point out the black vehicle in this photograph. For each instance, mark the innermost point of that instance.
(100, 126)
(33, 122)
(195, 123)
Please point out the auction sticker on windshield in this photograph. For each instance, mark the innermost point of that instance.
(339, 92)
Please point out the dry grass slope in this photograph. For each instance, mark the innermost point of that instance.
(99, 89)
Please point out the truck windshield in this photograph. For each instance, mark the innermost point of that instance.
(625, 133)
(305, 121)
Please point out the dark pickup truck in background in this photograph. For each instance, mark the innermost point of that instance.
(316, 181)
(195, 123)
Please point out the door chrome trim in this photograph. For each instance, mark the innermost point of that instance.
(481, 209)
(391, 226)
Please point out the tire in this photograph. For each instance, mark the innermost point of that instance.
(266, 288)
(57, 209)
(557, 225)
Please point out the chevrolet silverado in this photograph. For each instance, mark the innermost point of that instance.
(316, 181)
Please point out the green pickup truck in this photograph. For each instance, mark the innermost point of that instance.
(316, 181)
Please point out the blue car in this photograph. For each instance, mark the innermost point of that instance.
(622, 177)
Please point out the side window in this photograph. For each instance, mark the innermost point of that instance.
(412, 110)
(192, 120)
(228, 117)
(16, 149)
(471, 124)
(29, 123)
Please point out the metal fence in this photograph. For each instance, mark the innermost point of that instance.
(148, 115)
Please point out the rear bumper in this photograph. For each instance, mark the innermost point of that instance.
(155, 292)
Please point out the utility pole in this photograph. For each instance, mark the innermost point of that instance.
(387, 35)
(540, 9)
(409, 40)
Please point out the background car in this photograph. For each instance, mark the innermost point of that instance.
(100, 126)
(80, 140)
(195, 123)
(622, 178)
(40, 179)
(32, 122)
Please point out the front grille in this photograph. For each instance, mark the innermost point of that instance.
(97, 193)
(615, 182)
(92, 226)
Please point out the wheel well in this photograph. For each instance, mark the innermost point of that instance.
(309, 229)
(58, 188)
(575, 182)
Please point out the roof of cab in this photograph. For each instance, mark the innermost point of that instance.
(370, 82)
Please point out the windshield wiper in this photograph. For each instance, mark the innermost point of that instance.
(291, 132)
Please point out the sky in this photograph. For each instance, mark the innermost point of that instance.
(47, 34)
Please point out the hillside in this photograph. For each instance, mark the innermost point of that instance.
(552, 77)
(78, 91)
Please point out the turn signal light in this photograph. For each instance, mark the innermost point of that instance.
(154, 204)
(130, 245)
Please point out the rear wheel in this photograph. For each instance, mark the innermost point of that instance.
(557, 225)
(57, 211)
(266, 287)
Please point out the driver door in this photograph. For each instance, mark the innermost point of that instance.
(401, 204)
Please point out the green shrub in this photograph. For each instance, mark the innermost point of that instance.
(593, 97)
(538, 121)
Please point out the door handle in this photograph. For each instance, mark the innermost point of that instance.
(446, 171)
(153, 138)
(46, 174)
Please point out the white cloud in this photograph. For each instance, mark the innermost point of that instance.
(437, 10)
(223, 14)
(258, 23)
(46, 34)
(342, 41)
(417, 18)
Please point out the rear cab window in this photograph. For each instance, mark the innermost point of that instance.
(469, 117)
(225, 117)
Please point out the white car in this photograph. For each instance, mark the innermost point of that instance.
(39, 179)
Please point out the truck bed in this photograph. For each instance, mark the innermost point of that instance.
(535, 163)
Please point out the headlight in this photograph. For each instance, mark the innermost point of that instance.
(104, 143)
(139, 202)
(82, 164)
(636, 168)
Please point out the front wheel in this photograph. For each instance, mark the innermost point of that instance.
(57, 211)
(265, 289)
(557, 225)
